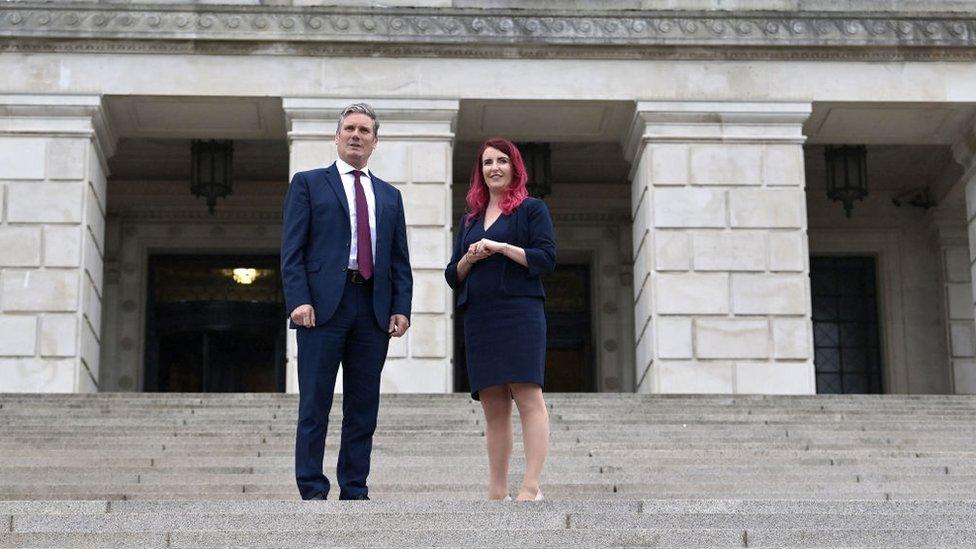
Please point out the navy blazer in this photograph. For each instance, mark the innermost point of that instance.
(532, 231)
(315, 241)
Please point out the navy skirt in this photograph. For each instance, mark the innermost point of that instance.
(505, 341)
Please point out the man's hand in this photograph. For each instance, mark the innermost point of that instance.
(303, 315)
(398, 325)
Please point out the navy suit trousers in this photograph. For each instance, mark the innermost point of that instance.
(353, 338)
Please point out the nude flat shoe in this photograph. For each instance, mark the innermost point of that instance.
(538, 497)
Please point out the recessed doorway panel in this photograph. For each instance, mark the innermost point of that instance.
(215, 324)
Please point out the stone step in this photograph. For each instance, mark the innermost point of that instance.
(217, 470)
(420, 476)
(477, 451)
(529, 517)
(380, 538)
(284, 430)
(598, 506)
(469, 466)
(555, 489)
(86, 460)
(659, 537)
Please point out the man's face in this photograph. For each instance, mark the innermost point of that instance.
(356, 139)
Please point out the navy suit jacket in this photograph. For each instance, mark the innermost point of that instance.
(532, 231)
(315, 241)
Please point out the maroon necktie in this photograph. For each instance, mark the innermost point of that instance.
(364, 253)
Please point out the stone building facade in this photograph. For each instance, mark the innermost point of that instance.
(688, 178)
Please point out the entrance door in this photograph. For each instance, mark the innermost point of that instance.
(569, 348)
(215, 324)
(847, 354)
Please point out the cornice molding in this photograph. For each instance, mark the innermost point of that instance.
(200, 216)
(456, 32)
(60, 115)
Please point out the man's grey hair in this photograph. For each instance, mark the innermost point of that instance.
(361, 108)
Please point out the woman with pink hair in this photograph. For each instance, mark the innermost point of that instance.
(504, 244)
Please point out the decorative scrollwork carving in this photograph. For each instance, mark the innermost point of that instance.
(718, 27)
(583, 27)
(851, 28)
(877, 28)
(450, 26)
(145, 27)
(743, 28)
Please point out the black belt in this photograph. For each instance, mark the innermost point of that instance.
(356, 278)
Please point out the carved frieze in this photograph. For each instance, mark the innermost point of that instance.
(463, 32)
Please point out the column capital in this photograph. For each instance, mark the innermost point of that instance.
(56, 115)
(964, 151)
(413, 119)
(948, 227)
(715, 121)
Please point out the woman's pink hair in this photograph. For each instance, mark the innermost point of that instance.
(516, 192)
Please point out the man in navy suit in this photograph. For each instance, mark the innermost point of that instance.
(346, 275)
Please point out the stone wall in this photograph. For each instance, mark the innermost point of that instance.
(722, 297)
(52, 170)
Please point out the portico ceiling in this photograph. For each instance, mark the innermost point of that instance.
(912, 139)
(196, 117)
(523, 120)
(889, 123)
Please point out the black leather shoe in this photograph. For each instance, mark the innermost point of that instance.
(317, 497)
(363, 497)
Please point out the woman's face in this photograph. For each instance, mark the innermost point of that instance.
(496, 168)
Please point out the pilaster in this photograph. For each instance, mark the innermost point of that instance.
(721, 268)
(53, 151)
(414, 151)
(961, 302)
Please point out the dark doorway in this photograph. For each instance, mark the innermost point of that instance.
(847, 353)
(569, 347)
(215, 324)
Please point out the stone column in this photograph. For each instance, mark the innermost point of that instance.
(950, 237)
(961, 327)
(721, 267)
(52, 231)
(413, 153)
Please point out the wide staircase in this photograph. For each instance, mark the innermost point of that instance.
(179, 470)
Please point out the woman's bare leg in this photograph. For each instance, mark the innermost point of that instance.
(496, 401)
(535, 435)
